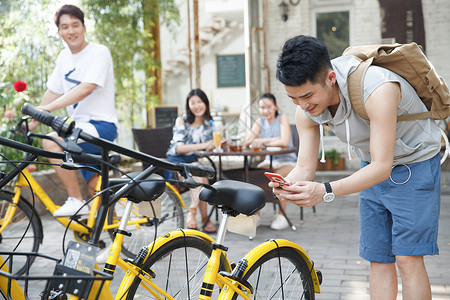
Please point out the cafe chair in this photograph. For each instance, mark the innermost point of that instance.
(155, 141)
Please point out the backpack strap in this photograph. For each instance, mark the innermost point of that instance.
(416, 116)
(355, 87)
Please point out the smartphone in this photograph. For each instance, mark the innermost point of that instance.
(274, 177)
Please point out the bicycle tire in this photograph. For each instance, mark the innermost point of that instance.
(264, 274)
(144, 234)
(24, 216)
(169, 265)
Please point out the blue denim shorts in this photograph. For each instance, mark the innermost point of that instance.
(105, 130)
(399, 216)
(169, 175)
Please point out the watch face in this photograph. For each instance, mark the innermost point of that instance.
(328, 197)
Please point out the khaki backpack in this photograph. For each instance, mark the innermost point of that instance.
(408, 61)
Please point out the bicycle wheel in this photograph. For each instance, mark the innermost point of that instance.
(144, 234)
(280, 274)
(169, 264)
(23, 233)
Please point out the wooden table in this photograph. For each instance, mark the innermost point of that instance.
(246, 153)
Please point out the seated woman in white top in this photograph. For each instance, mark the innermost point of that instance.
(192, 132)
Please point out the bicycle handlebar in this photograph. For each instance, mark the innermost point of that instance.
(85, 158)
(64, 127)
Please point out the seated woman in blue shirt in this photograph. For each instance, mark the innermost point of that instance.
(192, 132)
(273, 130)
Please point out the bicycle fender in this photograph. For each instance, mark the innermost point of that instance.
(175, 234)
(175, 191)
(27, 203)
(270, 245)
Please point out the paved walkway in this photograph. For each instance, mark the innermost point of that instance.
(330, 237)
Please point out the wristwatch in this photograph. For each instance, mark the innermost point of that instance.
(329, 196)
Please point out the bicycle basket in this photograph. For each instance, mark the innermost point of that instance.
(33, 284)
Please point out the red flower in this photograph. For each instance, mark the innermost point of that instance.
(20, 86)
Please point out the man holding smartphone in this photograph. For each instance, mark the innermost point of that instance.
(399, 179)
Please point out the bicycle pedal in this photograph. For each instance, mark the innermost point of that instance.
(101, 244)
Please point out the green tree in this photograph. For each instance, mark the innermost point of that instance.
(125, 27)
(28, 44)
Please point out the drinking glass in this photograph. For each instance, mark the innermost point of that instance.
(217, 136)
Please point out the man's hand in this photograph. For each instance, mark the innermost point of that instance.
(33, 124)
(301, 193)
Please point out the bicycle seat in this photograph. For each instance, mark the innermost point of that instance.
(147, 190)
(242, 197)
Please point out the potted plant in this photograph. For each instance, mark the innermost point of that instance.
(333, 161)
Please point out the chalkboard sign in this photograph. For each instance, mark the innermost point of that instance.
(230, 70)
(165, 115)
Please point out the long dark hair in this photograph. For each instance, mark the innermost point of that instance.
(271, 97)
(190, 116)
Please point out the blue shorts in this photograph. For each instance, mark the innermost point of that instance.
(399, 216)
(105, 130)
(168, 175)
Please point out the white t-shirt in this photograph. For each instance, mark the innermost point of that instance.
(93, 64)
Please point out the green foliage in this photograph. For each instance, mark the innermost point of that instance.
(120, 26)
(28, 48)
(9, 116)
(333, 154)
(29, 44)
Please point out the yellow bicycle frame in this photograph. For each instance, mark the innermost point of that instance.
(16, 291)
(133, 271)
(25, 179)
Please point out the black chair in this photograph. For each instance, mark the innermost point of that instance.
(153, 141)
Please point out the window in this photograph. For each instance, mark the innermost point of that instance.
(333, 28)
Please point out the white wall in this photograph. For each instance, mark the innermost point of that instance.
(174, 49)
(436, 14)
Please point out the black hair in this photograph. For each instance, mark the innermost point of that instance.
(204, 98)
(271, 97)
(71, 10)
(303, 58)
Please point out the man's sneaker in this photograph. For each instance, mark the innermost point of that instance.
(103, 254)
(71, 207)
(279, 223)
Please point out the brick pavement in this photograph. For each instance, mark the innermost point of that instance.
(330, 237)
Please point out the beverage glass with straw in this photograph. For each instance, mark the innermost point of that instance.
(217, 136)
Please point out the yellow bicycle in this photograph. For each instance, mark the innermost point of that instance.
(188, 264)
(17, 213)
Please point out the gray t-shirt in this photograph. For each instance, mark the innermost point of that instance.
(416, 140)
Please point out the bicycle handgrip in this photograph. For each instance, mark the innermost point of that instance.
(62, 126)
(42, 116)
(202, 171)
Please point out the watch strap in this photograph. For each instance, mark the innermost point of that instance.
(328, 187)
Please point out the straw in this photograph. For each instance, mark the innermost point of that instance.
(211, 122)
